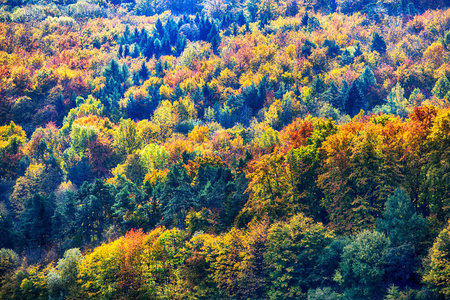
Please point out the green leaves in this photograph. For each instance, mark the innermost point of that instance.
(362, 265)
(293, 251)
(437, 273)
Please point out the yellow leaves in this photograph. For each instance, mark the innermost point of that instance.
(97, 84)
(103, 124)
(441, 127)
(263, 53)
(272, 71)
(26, 186)
(228, 78)
(335, 75)
(165, 117)
(96, 268)
(208, 159)
(225, 254)
(249, 77)
(272, 115)
(189, 84)
(165, 91)
(438, 271)
(35, 282)
(37, 61)
(148, 131)
(199, 134)
(341, 40)
(90, 106)
(285, 24)
(12, 137)
(156, 175)
(185, 109)
(435, 54)
(291, 51)
(287, 77)
(65, 74)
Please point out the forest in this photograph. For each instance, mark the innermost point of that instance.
(225, 149)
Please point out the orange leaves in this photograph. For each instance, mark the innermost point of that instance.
(69, 41)
(295, 134)
(176, 147)
(132, 250)
(425, 115)
(20, 79)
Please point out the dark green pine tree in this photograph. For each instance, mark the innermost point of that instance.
(177, 93)
(124, 75)
(292, 8)
(378, 44)
(237, 199)
(400, 221)
(126, 201)
(64, 225)
(159, 69)
(307, 48)
(143, 38)
(180, 45)
(35, 222)
(343, 96)
(172, 30)
(73, 100)
(157, 47)
(318, 85)
(333, 49)
(153, 208)
(143, 72)
(241, 20)
(166, 49)
(347, 58)
(250, 96)
(136, 78)
(367, 79)
(331, 96)
(113, 71)
(87, 216)
(136, 52)
(159, 28)
(358, 51)
(252, 9)
(355, 100)
(105, 195)
(235, 101)
(136, 35)
(80, 172)
(60, 108)
(304, 20)
(177, 197)
(126, 35)
(126, 51)
(213, 186)
(6, 231)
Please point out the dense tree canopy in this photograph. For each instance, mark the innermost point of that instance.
(224, 149)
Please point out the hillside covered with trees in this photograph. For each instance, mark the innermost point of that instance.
(225, 149)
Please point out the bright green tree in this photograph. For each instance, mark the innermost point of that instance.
(437, 274)
(293, 251)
